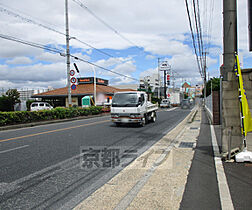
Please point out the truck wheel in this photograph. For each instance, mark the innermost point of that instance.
(118, 124)
(153, 118)
(144, 121)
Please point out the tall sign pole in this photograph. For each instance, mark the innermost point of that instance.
(165, 67)
(68, 56)
(165, 94)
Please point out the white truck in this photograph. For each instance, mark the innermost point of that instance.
(132, 107)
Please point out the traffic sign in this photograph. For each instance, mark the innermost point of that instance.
(168, 95)
(73, 80)
(72, 72)
(73, 87)
(164, 66)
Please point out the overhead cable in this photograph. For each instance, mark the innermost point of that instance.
(104, 23)
(55, 50)
(193, 38)
(28, 20)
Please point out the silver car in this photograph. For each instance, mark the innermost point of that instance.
(165, 103)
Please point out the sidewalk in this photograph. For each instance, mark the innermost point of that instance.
(155, 180)
(174, 174)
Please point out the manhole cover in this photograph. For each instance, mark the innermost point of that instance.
(194, 128)
(184, 144)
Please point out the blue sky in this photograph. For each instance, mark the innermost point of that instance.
(158, 28)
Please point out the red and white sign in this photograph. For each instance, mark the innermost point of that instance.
(72, 73)
(73, 80)
(169, 95)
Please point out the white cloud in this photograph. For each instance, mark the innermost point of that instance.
(150, 57)
(19, 60)
(159, 27)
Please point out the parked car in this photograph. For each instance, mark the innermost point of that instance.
(185, 104)
(165, 103)
(36, 106)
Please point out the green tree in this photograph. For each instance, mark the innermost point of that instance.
(215, 83)
(5, 104)
(13, 96)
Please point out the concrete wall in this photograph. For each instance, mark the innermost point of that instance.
(231, 113)
(247, 79)
(231, 110)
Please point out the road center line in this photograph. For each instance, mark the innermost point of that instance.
(225, 197)
(168, 110)
(9, 150)
(53, 131)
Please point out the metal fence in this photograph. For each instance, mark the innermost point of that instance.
(209, 103)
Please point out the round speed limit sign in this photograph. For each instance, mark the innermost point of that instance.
(73, 80)
(72, 73)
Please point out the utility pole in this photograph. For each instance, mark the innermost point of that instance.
(230, 36)
(205, 83)
(229, 82)
(159, 83)
(68, 55)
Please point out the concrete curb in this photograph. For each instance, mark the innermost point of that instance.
(192, 115)
(9, 127)
(210, 115)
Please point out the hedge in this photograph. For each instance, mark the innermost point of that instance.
(10, 118)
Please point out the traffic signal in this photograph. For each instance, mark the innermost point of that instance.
(168, 79)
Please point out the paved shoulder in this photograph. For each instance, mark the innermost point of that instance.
(201, 190)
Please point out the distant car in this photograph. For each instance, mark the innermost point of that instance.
(165, 103)
(185, 104)
(36, 106)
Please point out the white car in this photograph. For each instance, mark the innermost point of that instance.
(36, 106)
(165, 103)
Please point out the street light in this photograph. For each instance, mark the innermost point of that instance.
(94, 85)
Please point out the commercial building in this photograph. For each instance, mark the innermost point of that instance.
(149, 81)
(85, 87)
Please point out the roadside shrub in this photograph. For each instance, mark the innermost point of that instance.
(10, 118)
(95, 110)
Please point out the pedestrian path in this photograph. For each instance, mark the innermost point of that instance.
(181, 171)
(155, 180)
(201, 190)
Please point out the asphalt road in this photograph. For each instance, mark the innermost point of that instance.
(40, 167)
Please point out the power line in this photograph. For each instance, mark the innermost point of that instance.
(55, 50)
(11, 13)
(77, 58)
(8, 12)
(32, 44)
(193, 38)
(198, 33)
(106, 24)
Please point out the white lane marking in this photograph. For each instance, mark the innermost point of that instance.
(168, 110)
(9, 150)
(225, 197)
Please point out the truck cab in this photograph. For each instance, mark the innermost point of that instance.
(132, 107)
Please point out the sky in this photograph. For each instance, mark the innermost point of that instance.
(132, 36)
